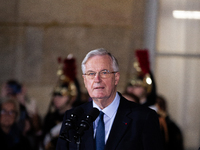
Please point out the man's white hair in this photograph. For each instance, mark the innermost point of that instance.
(100, 52)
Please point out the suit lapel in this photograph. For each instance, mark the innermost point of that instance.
(119, 126)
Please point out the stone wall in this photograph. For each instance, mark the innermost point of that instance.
(34, 33)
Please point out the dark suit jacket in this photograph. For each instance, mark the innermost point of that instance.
(135, 127)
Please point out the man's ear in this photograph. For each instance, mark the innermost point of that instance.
(117, 76)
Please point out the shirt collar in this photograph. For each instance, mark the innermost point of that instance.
(111, 109)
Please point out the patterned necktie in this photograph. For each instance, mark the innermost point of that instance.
(100, 133)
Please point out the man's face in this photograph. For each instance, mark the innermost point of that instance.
(139, 91)
(60, 101)
(101, 90)
(8, 115)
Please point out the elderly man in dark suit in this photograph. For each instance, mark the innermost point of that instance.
(124, 125)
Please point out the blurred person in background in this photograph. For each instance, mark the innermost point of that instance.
(65, 95)
(142, 83)
(29, 121)
(172, 133)
(10, 135)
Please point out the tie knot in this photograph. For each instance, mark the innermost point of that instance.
(101, 115)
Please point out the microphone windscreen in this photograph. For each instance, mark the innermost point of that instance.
(94, 113)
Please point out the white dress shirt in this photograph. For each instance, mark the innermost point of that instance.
(109, 115)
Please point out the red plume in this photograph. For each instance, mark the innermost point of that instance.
(142, 56)
(69, 68)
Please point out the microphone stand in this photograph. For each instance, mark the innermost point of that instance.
(77, 139)
(78, 142)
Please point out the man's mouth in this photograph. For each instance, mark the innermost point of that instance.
(96, 88)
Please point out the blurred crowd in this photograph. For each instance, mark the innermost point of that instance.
(21, 126)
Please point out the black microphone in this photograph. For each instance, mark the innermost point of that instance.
(86, 123)
(70, 123)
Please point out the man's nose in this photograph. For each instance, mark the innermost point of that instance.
(97, 77)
